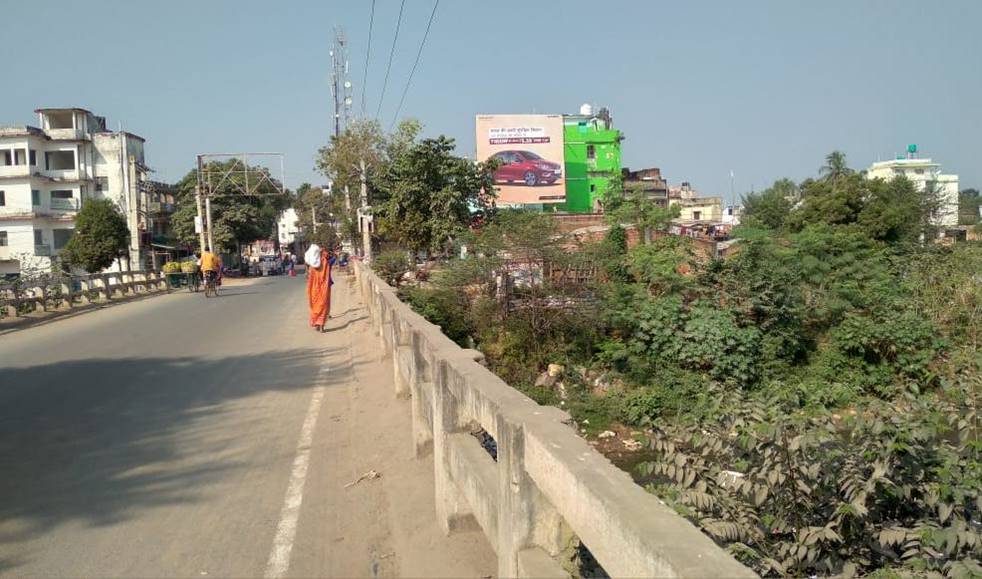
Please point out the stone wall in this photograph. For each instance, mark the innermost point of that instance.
(546, 486)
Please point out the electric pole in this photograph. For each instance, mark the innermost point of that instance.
(366, 229)
(199, 222)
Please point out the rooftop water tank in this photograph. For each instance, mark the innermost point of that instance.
(586, 109)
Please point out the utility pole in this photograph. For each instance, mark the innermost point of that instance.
(211, 240)
(199, 220)
(366, 231)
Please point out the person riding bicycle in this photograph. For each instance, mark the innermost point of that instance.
(211, 266)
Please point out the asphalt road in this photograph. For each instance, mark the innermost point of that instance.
(166, 437)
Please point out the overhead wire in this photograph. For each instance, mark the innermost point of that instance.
(392, 54)
(368, 53)
(419, 54)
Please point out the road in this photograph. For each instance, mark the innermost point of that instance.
(184, 436)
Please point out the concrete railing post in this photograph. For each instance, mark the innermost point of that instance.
(69, 289)
(106, 286)
(530, 530)
(451, 507)
(403, 361)
(421, 395)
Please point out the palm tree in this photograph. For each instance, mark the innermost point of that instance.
(835, 166)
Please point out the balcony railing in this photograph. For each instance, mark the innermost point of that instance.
(64, 204)
(61, 174)
(42, 250)
(15, 171)
(67, 134)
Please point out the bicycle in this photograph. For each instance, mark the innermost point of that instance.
(211, 284)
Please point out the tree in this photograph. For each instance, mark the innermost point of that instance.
(969, 202)
(357, 156)
(895, 210)
(833, 202)
(770, 208)
(630, 205)
(236, 219)
(428, 194)
(100, 236)
(835, 167)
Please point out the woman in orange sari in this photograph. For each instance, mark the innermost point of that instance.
(319, 284)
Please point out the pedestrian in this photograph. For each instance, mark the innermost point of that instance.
(319, 282)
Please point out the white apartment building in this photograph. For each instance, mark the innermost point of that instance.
(923, 172)
(287, 227)
(47, 172)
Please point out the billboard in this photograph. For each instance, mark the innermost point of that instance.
(529, 152)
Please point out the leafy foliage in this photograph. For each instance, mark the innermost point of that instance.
(101, 235)
(392, 266)
(426, 195)
(812, 401)
(770, 208)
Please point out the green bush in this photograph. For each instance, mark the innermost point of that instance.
(391, 266)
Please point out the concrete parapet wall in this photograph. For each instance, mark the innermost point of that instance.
(546, 482)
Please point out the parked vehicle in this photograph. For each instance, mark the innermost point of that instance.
(525, 167)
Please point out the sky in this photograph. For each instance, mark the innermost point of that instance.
(763, 89)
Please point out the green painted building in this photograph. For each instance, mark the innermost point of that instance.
(592, 155)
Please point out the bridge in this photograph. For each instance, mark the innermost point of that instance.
(184, 436)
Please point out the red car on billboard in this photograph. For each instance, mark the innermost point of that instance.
(525, 167)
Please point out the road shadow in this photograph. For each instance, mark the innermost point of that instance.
(333, 328)
(98, 441)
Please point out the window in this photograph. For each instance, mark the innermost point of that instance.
(59, 160)
(61, 237)
(38, 237)
(3, 198)
(61, 120)
(62, 194)
(696, 215)
(102, 183)
(591, 152)
(3, 239)
(35, 198)
(20, 156)
(33, 157)
(6, 159)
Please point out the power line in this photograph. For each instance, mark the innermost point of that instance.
(392, 54)
(368, 53)
(415, 64)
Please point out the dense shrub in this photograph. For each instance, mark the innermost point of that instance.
(392, 266)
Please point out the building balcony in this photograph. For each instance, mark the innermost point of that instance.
(66, 134)
(42, 250)
(64, 204)
(61, 174)
(14, 171)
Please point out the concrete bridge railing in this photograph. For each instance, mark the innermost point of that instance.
(54, 290)
(545, 485)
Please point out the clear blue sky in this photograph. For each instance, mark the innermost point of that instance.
(762, 88)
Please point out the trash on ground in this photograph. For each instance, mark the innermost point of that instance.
(372, 474)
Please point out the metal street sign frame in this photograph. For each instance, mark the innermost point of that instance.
(211, 181)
